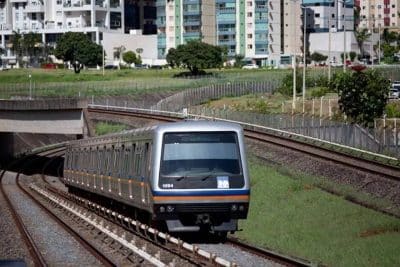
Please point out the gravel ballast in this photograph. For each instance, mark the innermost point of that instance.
(57, 246)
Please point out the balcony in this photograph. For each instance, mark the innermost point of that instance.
(261, 8)
(191, 22)
(34, 8)
(226, 31)
(226, 10)
(191, 2)
(386, 2)
(226, 41)
(386, 11)
(101, 3)
(115, 4)
(386, 21)
(77, 4)
(191, 35)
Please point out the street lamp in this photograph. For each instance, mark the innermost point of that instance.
(344, 35)
(30, 87)
(294, 56)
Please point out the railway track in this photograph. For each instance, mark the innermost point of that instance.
(38, 258)
(36, 255)
(373, 163)
(192, 252)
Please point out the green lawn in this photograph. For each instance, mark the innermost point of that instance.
(55, 83)
(106, 128)
(295, 217)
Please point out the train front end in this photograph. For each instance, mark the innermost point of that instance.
(201, 181)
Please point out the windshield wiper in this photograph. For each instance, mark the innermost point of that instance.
(181, 177)
(211, 174)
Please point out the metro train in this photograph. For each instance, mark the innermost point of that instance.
(190, 175)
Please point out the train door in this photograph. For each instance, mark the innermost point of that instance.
(145, 171)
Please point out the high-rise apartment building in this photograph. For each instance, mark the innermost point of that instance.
(240, 25)
(51, 18)
(376, 14)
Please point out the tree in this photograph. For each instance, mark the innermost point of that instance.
(239, 61)
(196, 55)
(317, 57)
(77, 48)
(362, 95)
(352, 55)
(118, 52)
(31, 44)
(361, 36)
(16, 41)
(130, 57)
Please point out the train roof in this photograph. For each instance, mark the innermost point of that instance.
(198, 126)
(188, 125)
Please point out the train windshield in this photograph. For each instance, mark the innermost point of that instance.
(201, 160)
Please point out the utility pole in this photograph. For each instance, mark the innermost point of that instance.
(379, 43)
(329, 50)
(304, 55)
(294, 58)
(344, 36)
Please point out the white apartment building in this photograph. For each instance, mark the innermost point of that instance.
(51, 18)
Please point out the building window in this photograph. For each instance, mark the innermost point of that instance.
(59, 2)
(250, 46)
(393, 15)
(249, 36)
(333, 15)
(317, 15)
(249, 3)
(379, 6)
(249, 14)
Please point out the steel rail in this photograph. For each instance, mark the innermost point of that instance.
(269, 254)
(277, 137)
(89, 247)
(37, 257)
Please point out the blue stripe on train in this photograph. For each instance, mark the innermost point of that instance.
(202, 193)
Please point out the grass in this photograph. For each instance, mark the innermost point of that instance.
(117, 82)
(106, 128)
(297, 218)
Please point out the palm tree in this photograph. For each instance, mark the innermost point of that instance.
(361, 36)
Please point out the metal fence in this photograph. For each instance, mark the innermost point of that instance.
(379, 140)
(200, 95)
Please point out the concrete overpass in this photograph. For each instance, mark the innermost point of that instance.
(52, 116)
(25, 124)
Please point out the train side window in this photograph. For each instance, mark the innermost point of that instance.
(108, 163)
(133, 161)
(127, 152)
(138, 160)
(103, 161)
(144, 168)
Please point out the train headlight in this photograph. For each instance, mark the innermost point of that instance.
(234, 207)
(170, 208)
(162, 209)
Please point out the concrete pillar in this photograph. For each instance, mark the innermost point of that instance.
(98, 37)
